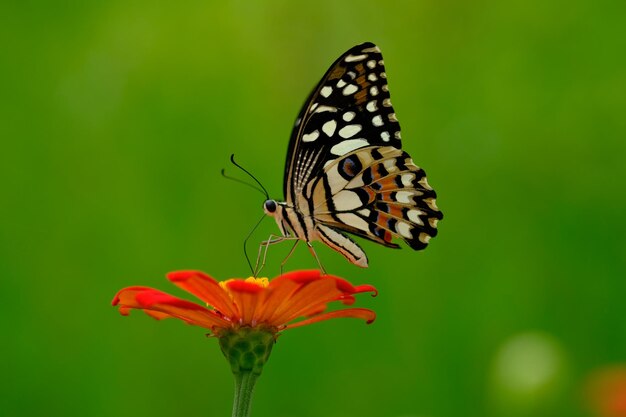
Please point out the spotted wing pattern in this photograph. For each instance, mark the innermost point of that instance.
(346, 167)
(377, 193)
(349, 109)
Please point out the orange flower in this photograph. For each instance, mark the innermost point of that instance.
(252, 303)
(247, 315)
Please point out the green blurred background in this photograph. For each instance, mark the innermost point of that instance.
(116, 118)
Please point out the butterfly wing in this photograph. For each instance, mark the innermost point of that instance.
(345, 166)
(377, 193)
(348, 109)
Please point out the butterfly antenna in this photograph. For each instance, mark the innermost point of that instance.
(228, 177)
(232, 159)
(245, 241)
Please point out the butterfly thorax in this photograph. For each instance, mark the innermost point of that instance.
(291, 222)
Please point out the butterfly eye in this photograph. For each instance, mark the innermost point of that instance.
(269, 206)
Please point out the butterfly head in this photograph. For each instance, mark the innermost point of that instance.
(270, 207)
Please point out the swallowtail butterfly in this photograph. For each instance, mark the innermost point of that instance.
(346, 170)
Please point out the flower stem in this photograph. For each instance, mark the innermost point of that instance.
(246, 349)
(244, 387)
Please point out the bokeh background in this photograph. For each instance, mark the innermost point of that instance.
(116, 118)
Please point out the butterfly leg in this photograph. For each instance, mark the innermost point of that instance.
(263, 247)
(293, 248)
(312, 250)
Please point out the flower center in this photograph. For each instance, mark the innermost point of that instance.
(261, 282)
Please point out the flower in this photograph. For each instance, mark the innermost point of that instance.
(247, 315)
(253, 302)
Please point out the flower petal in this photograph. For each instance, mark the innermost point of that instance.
(246, 296)
(358, 313)
(161, 305)
(300, 277)
(309, 297)
(278, 294)
(205, 288)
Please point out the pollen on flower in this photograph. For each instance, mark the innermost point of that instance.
(250, 284)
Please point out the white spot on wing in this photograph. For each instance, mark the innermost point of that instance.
(341, 84)
(377, 121)
(407, 179)
(350, 89)
(346, 146)
(413, 215)
(390, 165)
(353, 220)
(371, 63)
(374, 90)
(372, 49)
(329, 127)
(387, 102)
(364, 212)
(352, 58)
(349, 131)
(326, 91)
(372, 77)
(371, 106)
(321, 109)
(404, 197)
(346, 200)
(310, 137)
(385, 136)
(348, 116)
(424, 238)
(404, 229)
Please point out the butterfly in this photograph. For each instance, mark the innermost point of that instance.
(346, 170)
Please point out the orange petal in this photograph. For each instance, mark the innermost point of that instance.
(300, 277)
(278, 294)
(205, 288)
(160, 305)
(308, 297)
(358, 313)
(246, 296)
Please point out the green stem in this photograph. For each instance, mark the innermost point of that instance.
(244, 387)
(246, 349)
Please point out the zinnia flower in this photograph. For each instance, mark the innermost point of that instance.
(247, 315)
(253, 302)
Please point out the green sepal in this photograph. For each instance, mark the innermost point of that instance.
(247, 349)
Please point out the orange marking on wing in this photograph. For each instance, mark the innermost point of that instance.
(362, 81)
(395, 211)
(337, 72)
(382, 220)
(360, 68)
(388, 183)
(361, 97)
